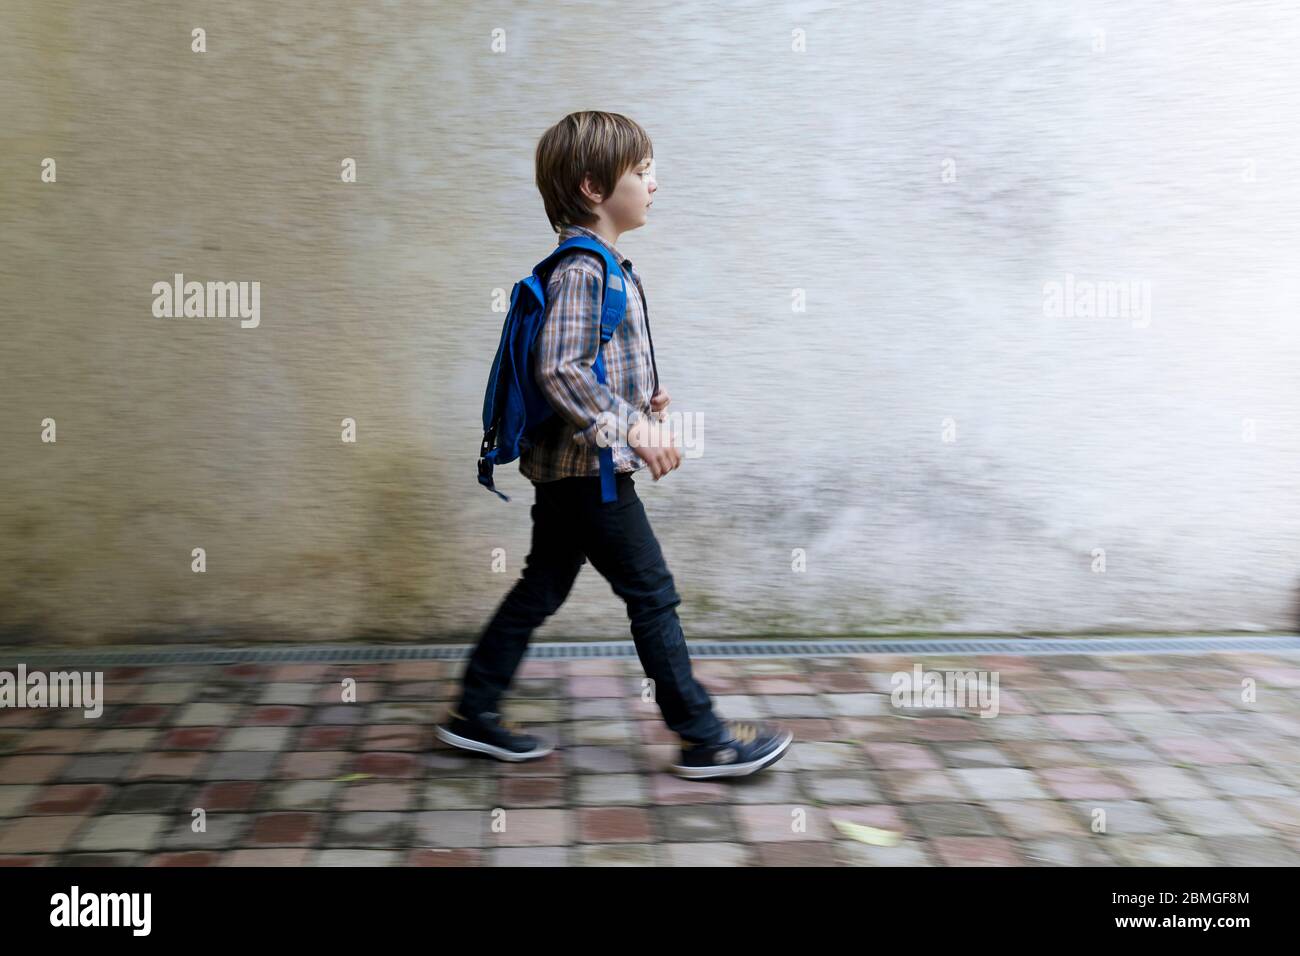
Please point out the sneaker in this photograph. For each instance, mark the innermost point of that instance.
(489, 734)
(748, 748)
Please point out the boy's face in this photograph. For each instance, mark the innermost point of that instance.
(627, 206)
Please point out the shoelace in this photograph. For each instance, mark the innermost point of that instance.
(744, 732)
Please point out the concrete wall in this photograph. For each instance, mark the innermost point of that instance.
(947, 451)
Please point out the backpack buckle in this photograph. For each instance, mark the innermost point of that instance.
(485, 478)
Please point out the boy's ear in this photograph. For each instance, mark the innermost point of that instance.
(589, 189)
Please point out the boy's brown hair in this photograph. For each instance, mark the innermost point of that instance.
(606, 145)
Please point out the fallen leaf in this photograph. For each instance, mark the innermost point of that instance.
(865, 834)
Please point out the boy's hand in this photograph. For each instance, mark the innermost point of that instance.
(658, 402)
(653, 443)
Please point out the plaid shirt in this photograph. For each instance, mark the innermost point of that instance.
(565, 350)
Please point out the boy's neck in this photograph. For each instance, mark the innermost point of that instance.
(606, 231)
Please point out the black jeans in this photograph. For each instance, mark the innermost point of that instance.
(570, 525)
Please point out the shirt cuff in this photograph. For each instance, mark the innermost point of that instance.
(610, 427)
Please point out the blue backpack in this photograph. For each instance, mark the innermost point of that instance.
(514, 405)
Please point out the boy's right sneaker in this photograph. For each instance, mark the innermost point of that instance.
(488, 734)
(748, 748)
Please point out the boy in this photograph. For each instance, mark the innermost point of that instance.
(595, 172)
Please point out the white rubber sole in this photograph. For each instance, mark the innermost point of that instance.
(735, 769)
(464, 743)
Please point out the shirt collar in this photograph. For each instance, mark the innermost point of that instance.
(568, 232)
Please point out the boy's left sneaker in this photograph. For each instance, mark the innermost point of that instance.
(488, 734)
(746, 748)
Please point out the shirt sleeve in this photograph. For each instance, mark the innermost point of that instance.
(565, 351)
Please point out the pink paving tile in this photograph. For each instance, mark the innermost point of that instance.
(1128, 702)
(335, 737)
(388, 764)
(841, 682)
(1009, 702)
(313, 765)
(1083, 783)
(247, 672)
(285, 829)
(655, 732)
(396, 737)
(976, 851)
(1277, 676)
(946, 728)
(1198, 750)
(543, 670)
(191, 738)
(68, 799)
(275, 715)
(1084, 727)
(532, 792)
(536, 828)
(1007, 663)
(169, 765)
(888, 729)
(811, 728)
(228, 795)
(614, 825)
(779, 684)
(415, 671)
(580, 687)
(777, 823)
(389, 795)
(670, 789)
(724, 686)
(1108, 680)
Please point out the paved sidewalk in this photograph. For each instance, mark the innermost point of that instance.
(1161, 749)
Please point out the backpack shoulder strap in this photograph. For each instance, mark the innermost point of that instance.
(615, 289)
(611, 314)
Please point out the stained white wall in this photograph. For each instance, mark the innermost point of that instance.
(922, 171)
